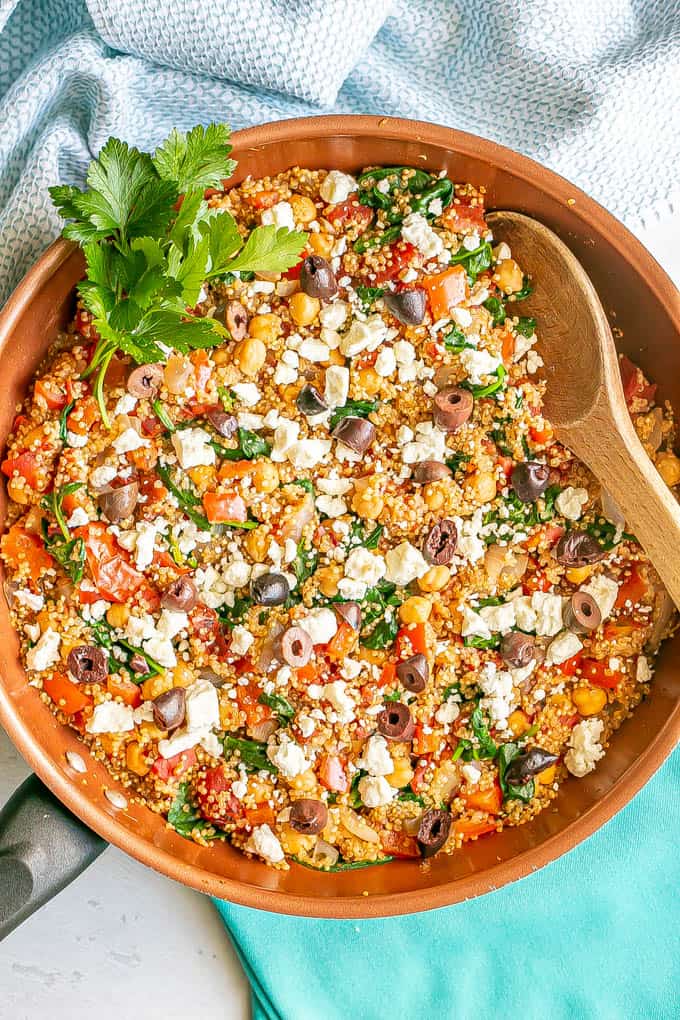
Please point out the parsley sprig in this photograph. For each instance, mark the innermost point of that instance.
(67, 551)
(150, 242)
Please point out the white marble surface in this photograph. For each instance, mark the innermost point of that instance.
(123, 941)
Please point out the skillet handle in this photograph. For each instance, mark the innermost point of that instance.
(43, 847)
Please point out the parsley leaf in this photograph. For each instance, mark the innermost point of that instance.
(250, 445)
(231, 615)
(195, 159)
(269, 249)
(368, 295)
(186, 499)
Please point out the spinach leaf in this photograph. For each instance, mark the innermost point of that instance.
(525, 291)
(250, 445)
(365, 242)
(394, 696)
(354, 795)
(518, 516)
(378, 605)
(496, 307)
(606, 533)
(102, 635)
(279, 705)
(456, 461)
(185, 497)
(489, 388)
(383, 634)
(506, 754)
(63, 429)
(408, 795)
(185, 817)
(475, 641)
(305, 562)
(67, 551)
(368, 295)
(455, 340)
(441, 189)
(163, 416)
(344, 865)
(475, 261)
(353, 408)
(419, 179)
(305, 483)
(525, 326)
(358, 536)
(230, 616)
(252, 753)
(487, 746)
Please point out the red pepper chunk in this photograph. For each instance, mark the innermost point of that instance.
(173, 768)
(411, 640)
(446, 290)
(25, 465)
(112, 574)
(399, 844)
(214, 798)
(224, 507)
(598, 673)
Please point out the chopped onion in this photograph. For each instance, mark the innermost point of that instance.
(297, 518)
(411, 825)
(355, 824)
(611, 511)
(270, 647)
(263, 730)
(324, 855)
(505, 565)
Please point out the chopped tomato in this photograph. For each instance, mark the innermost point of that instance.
(247, 699)
(471, 830)
(24, 464)
(635, 385)
(214, 798)
(208, 628)
(349, 212)
(111, 572)
(294, 272)
(263, 814)
(399, 844)
(20, 547)
(623, 627)
(202, 367)
(173, 768)
(341, 643)
(263, 199)
(87, 596)
(224, 507)
(536, 581)
(331, 773)
(46, 391)
(152, 426)
(236, 469)
(633, 589)
(126, 690)
(570, 666)
(446, 290)
(425, 743)
(489, 800)
(83, 416)
(307, 674)
(411, 640)
(401, 255)
(464, 218)
(597, 672)
(506, 464)
(65, 694)
(540, 436)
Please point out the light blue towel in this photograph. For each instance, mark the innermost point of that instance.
(589, 87)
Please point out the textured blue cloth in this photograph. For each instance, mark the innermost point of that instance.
(589, 87)
(593, 936)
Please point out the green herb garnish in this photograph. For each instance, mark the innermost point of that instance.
(456, 461)
(186, 819)
(230, 616)
(490, 388)
(354, 409)
(250, 446)
(279, 705)
(525, 326)
(252, 753)
(63, 428)
(369, 295)
(524, 792)
(185, 497)
(496, 308)
(67, 551)
(486, 745)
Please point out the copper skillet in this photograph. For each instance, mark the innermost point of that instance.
(43, 845)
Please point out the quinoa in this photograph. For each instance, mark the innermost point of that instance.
(447, 685)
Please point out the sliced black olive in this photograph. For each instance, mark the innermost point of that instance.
(452, 408)
(181, 595)
(407, 306)
(440, 542)
(169, 709)
(308, 816)
(350, 613)
(296, 647)
(582, 613)
(226, 425)
(88, 664)
(529, 480)
(118, 504)
(310, 402)
(527, 765)
(433, 831)
(395, 722)
(517, 649)
(414, 673)
(357, 433)
(145, 380)
(317, 278)
(270, 589)
(430, 471)
(579, 549)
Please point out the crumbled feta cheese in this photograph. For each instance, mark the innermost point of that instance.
(307, 453)
(471, 773)
(376, 757)
(237, 573)
(336, 693)
(101, 476)
(534, 362)
(643, 673)
(429, 443)
(499, 618)
(314, 351)
(241, 640)
(193, 448)
(128, 440)
(78, 518)
(331, 506)
(334, 486)
(386, 362)
(404, 563)
(479, 365)
(473, 625)
(499, 699)
(604, 590)
(571, 501)
(171, 622)
(288, 756)
(265, 844)
(470, 547)
(548, 609)
(321, 624)
(376, 791)
(365, 566)
(462, 317)
(78, 440)
(447, 713)
(584, 747)
(417, 231)
(160, 649)
(351, 668)
(334, 315)
(365, 335)
(247, 393)
(110, 717)
(336, 387)
(284, 374)
(46, 652)
(25, 597)
(285, 434)
(177, 742)
(145, 540)
(280, 215)
(337, 187)
(125, 404)
(202, 706)
(139, 628)
(305, 724)
(563, 647)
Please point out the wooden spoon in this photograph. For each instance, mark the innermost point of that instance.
(584, 397)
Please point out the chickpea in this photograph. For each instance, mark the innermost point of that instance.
(577, 575)
(416, 609)
(265, 476)
(518, 722)
(303, 308)
(250, 354)
(295, 842)
(304, 210)
(367, 502)
(305, 782)
(134, 759)
(482, 486)
(44, 620)
(370, 381)
(433, 496)
(148, 731)
(321, 244)
(589, 700)
(509, 276)
(668, 466)
(435, 579)
(327, 579)
(265, 327)
(336, 357)
(257, 543)
(182, 674)
(220, 356)
(117, 615)
(401, 775)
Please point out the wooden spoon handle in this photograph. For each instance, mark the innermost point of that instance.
(651, 511)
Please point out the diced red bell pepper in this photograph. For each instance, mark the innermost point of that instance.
(489, 800)
(24, 464)
(247, 699)
(535, 581)
(214, 798)
(224, 507)
(263, 199)
(598, 673)
(349, 212)
(342, 642)
(411, 640)
(53, 396)
(635, 385)
(471, 830)
(65, 694)
(570, 666)
(331, 773)
(633, 589)
(401, 255)
(294, 272)
(399, 844)
(425, 743)
(126, 690)
(464, 218)
(173, 768)
(208, 629)
(22, 547)
(418, 781)
(446, 290)
(112, 574)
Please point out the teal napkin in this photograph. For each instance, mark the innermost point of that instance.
(593, 936)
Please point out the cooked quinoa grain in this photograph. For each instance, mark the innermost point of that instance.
(331, 590)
